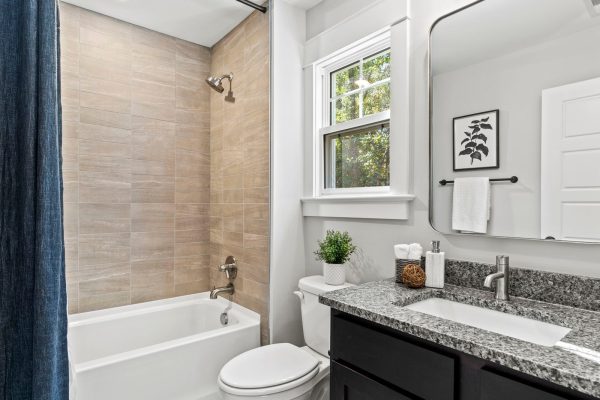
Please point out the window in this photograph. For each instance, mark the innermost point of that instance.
(360, 89)
(355, 129)
(358, 158)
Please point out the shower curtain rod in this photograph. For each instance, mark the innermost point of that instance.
(249, 3)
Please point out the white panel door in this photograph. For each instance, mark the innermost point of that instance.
(570, 186)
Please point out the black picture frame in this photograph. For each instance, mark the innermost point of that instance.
(492, 138)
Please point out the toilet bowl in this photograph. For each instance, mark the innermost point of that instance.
(284, 371)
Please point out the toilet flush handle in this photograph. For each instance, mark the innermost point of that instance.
(300, 295)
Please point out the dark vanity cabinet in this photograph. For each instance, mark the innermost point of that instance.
(372, 362)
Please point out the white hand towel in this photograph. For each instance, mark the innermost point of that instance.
(401, 251)
(471, 204)
(415, 251)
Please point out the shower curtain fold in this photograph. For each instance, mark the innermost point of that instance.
(33, 316)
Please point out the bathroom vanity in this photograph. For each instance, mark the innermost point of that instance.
(383, 348)
(370, 361)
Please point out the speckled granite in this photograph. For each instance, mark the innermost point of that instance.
(574, 362)
(569, 290)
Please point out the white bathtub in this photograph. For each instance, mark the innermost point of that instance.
(162, 350)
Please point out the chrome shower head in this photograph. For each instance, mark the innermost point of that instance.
(216, 83)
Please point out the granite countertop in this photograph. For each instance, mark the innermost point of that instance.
(574, 362)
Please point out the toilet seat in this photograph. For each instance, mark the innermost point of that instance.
(268, 370)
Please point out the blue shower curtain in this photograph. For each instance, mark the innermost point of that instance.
(33, 316)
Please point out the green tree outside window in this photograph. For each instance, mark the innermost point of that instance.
(361, 157)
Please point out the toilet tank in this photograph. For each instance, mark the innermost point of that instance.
(316, 316)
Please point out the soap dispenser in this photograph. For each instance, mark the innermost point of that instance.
(434, 266)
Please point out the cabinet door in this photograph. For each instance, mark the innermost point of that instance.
(405, 365)
(499, 387)
(347, 384)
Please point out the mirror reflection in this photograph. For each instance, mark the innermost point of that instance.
(515, 120)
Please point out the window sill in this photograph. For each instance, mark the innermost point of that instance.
(372, 206)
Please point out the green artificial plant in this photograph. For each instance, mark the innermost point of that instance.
(336, 248)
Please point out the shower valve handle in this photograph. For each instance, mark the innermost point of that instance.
(230, 268)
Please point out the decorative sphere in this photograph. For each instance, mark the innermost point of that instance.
(413, 276)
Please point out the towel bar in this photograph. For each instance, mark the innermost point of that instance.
(512, 179)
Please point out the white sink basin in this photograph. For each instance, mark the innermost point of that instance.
(526, 329)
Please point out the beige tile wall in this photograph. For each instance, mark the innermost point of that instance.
(239, 143)
(136, 162)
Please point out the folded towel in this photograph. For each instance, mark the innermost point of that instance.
(471, 205)
(401, 251)
(415, 251)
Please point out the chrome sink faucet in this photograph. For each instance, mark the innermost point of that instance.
(230, 269)
(501, 277)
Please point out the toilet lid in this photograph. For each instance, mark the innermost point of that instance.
(272, 365)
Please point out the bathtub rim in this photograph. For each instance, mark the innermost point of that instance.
(113, 312)
(247, 319)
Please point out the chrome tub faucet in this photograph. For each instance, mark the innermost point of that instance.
(229, 289)
(501, 277)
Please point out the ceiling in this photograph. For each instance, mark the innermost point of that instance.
(203, 22)
(497, 27)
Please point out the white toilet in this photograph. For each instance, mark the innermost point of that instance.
(284, 371)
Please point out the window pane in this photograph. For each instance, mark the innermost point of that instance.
(358, 159)
(345, 80)
(377, 68)
(346, 108)
(376, 99)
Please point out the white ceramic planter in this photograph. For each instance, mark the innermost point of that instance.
(334, 274)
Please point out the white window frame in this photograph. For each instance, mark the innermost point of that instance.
(393, 203)
(322, 110)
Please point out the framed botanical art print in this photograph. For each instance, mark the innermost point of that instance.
(476, 141)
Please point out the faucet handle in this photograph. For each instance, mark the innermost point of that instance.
(502, 263)
(230, 268)
(502, 259)
(229, 261)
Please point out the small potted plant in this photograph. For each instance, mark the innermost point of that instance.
(335, 250)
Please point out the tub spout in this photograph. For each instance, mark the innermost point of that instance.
(225, 289)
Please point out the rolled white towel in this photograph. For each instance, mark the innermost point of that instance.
(401, 251)
(415, 251)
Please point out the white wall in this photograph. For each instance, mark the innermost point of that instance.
(356, 20)
(331, 12)
(376, 238)
(287, 162)
(361, 21)
(512, 83)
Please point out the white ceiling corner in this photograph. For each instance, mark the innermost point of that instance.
(203, 22)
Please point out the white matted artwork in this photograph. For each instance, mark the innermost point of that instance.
(476, 141)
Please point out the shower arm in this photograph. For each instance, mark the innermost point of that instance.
(251, 4)
(229, 77)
